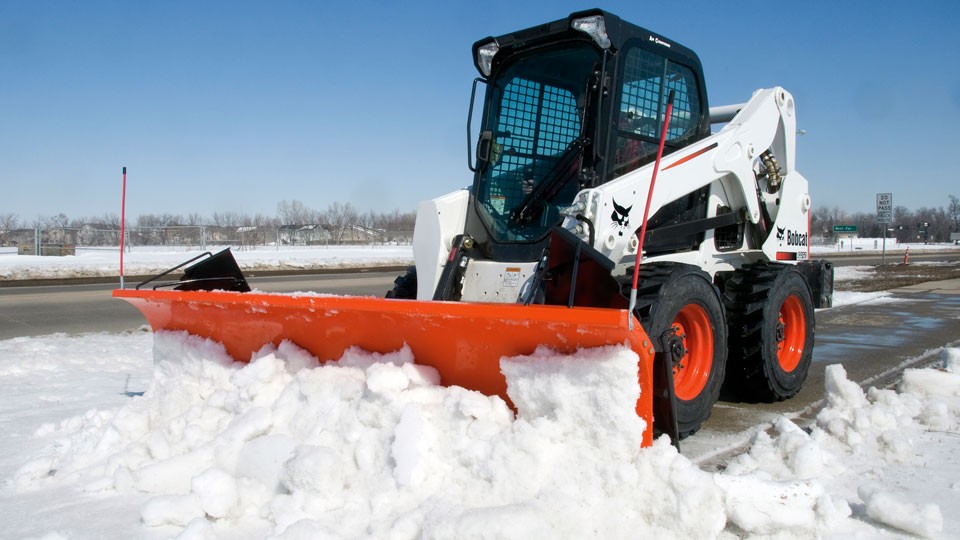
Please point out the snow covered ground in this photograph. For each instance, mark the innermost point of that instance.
(138, 435)
(103, 262)
(864, 246)
(142, 261)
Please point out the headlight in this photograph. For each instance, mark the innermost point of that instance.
(595, 28)
(485, 56)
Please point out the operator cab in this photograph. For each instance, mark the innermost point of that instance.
(569, 105)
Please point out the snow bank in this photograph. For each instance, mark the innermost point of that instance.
(371, 446)
(146, 261)
(851, 273)
(846, 298)
(834, 470)
(874, 246)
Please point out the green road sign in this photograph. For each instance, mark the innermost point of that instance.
(845, 228)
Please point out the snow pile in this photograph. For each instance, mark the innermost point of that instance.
(852, 273)
(846, 298)
(836, 468)
(371, 446)
(843, 274)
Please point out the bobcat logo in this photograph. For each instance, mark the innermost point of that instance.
(621, 216)
(780, 233)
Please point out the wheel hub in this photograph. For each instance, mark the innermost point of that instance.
(790, 333)
(691, 349)
(677, 349)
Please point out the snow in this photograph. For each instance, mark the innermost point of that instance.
(874, 246)
(286, 447)
(137, 435)
(850, 273)
(147, 260)
(846, 298)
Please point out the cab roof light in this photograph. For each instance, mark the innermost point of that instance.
(594, 27)
(485, 54)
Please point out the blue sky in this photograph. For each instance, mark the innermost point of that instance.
(235, 106)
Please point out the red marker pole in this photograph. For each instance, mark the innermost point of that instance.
(646, 208)
(123, 221)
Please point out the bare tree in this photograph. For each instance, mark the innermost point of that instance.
(227, 219)
(260, 220)
(295, 213)
(58, 221)
(159, 220)
(820, 221)
(838, 215)
(109, 220)
(369, 219)
(8, 221)
(194, 219)
(867, 225)
(340, 216)
(953, 211)
(932, 224)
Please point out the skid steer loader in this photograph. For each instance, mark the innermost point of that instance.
(603, 210)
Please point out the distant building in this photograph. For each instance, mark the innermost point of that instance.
(304, 235)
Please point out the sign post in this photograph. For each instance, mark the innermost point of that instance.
(884, 218)
(845, 230)
(123, 221)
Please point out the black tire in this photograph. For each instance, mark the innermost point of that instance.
(681, 296)
(772, 327)
(405, 286)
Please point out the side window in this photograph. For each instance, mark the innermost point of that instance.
(647, 80)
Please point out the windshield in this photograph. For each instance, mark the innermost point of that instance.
(535, 118)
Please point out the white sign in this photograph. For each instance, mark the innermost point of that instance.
(511, 278)
(885, 207)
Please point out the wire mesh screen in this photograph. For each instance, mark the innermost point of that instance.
(640, 104)
(561, 124)
(648, 79)
(537, 122)
(686, 103)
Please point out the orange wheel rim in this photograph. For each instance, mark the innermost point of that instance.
(690, 375)
(791, 333)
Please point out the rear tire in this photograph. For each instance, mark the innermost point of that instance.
(405, 286)
(682, 298)
(772, 329)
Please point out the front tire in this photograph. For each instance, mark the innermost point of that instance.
(772, 329)
(681, 299)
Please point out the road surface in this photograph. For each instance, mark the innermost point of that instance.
(72, 308)
(41, 310)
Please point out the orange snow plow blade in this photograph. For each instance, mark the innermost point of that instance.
(463, 341)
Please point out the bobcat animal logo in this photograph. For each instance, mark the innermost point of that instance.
(780, 233)
(621, 216)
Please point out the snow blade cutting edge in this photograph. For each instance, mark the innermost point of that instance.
(463, 341)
